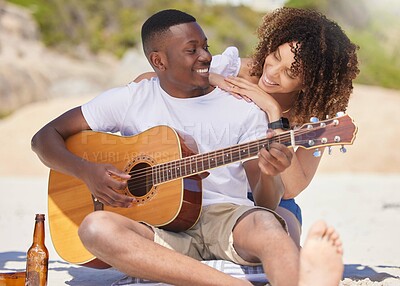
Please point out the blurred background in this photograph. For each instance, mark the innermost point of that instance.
(58, 54)
(52, 48)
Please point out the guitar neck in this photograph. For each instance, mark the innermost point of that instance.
(200, 163)
(336, 131)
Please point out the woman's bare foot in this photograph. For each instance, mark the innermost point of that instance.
(321, 257)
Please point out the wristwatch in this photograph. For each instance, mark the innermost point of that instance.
(282, 123)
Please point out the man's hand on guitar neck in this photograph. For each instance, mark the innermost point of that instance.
(264, 174)
(275, 160)
(107, 183)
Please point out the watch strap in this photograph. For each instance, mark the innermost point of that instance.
(282, 123)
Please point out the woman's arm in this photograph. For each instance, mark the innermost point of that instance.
(300, 173)
(264, 177)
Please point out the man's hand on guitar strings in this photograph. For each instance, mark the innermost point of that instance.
(107, 183)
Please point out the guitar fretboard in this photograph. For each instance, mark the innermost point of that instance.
(199, 163)
(336, 131)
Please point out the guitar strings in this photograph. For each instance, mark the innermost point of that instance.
(191, 160)
(195, 158)
(221, 152)
(147, 172)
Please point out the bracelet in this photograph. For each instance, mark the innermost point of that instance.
(282, 123)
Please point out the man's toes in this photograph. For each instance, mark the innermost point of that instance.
(317, 230)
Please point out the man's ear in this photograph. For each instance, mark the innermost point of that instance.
(157, 61)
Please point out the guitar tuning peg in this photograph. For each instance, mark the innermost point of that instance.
(314, 119)
(340, 114)
(343, 149)
(329, 150)
(317, 153)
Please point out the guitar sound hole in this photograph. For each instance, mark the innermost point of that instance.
(142, 181)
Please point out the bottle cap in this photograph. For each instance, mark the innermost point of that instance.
(39, 217)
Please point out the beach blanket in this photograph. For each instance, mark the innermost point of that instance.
(254, 274)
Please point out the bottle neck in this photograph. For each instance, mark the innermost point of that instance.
(38, 234)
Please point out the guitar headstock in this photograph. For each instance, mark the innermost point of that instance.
(335, 131)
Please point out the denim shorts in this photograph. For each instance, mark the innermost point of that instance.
(289, 204)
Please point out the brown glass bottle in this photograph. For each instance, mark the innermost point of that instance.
(37, 257)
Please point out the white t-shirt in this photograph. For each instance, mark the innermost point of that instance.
(215, 120)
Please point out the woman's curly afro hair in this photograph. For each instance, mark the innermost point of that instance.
(324, 55)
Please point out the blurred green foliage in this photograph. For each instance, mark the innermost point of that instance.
(114, 26)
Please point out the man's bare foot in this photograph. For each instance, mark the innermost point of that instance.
(321, 257)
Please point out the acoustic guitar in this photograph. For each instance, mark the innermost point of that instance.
(166, 173)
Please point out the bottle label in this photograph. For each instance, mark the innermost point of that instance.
(36, 272)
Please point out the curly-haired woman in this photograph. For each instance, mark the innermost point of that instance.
(302, 67)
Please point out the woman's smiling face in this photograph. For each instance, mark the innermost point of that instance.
(277, 75)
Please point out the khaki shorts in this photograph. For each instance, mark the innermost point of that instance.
(211, 237)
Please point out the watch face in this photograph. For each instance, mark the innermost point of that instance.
(285, 123)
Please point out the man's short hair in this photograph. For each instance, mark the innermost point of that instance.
(159, 23)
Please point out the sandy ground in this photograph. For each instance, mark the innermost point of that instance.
(357, 192)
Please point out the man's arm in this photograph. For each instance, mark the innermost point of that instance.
(49, 144)
(264, 175)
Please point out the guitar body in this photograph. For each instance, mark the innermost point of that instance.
(174, 205)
